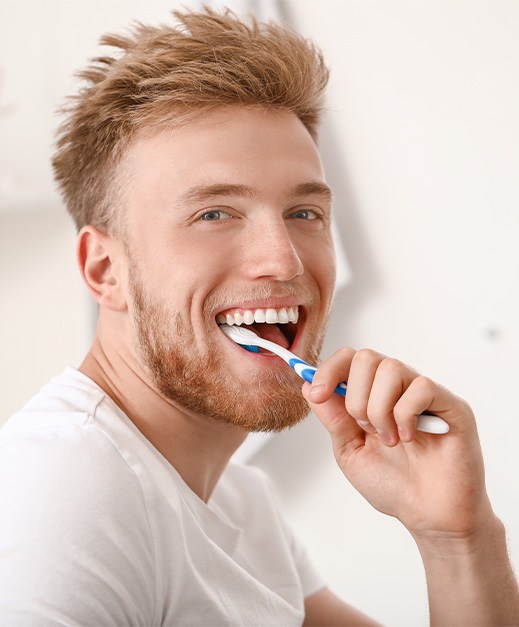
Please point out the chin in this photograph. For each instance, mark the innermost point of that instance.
(264, 403)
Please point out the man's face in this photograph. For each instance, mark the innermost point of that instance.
(228, 217)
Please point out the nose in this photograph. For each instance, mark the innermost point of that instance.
(270, 253)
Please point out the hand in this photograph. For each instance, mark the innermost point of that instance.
(434, 484)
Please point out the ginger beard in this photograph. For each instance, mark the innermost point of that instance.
(197, 380)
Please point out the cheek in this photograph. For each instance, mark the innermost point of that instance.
(321, 266)
(194, 264)
(210, 254)
(182, 254)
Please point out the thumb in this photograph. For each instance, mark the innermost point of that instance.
(331, 412)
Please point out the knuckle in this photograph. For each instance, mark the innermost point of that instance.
(356, 409)
(365, 356)
(424, 384)
(391, 366)
(344, 353)
(465, 405)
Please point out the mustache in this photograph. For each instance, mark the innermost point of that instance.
(261, 291)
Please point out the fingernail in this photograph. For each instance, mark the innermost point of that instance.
(386, 437)
(316, 388)
(367, 426)
(405, 434)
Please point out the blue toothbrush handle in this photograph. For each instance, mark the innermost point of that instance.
(306, 372)
(426, 422)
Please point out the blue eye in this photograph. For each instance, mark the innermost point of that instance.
(214, 215)
(304, 214)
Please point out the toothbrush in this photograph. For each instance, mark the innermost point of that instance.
(426, 423)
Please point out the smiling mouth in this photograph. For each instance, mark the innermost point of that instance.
(279, 325)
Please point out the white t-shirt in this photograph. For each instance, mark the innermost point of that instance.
(97, 528)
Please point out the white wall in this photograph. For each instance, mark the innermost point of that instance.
(420, 144)
(45, 314)
(422, 149)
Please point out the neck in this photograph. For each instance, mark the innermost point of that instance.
(198, 447)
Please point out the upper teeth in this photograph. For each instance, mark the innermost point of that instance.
(270, 316)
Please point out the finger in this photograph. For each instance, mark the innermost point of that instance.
(329, 374)
(360, 382)
(345, 433)
(409, 406)
(391, 380)
(425, 395)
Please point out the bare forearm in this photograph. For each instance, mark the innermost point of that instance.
(471, 582)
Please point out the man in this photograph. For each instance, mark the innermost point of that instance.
(189, 164)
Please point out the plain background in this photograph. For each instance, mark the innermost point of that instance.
(420, 142)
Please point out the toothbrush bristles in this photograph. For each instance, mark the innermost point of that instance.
(251, 349)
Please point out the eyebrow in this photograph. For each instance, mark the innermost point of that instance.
(313, 188)
(203, 193)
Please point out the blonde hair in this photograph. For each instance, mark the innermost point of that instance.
(165, 75)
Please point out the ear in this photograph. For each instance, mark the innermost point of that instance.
(102, 264)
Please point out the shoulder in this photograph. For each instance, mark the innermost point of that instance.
(54, 447)
(67, 464)
(76, 520)
(56, 457)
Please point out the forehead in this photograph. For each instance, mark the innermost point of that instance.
(254, 147)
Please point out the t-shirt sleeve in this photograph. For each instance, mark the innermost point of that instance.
(75, 544)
